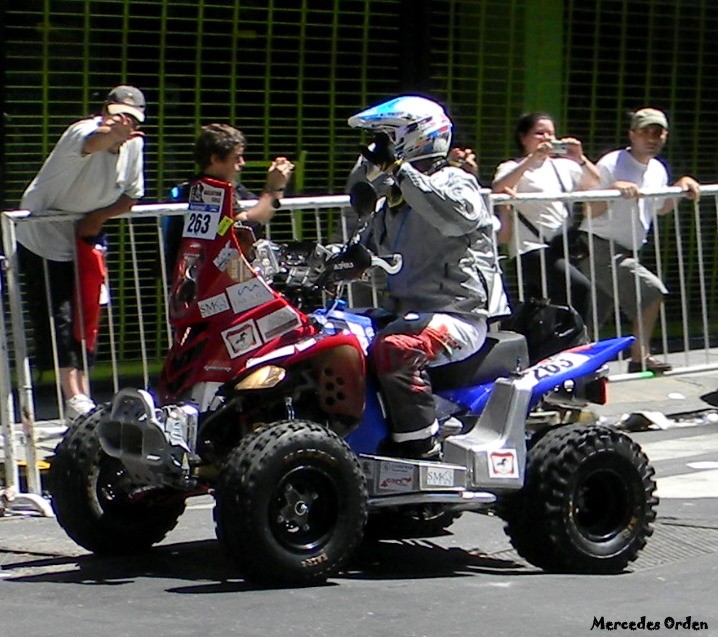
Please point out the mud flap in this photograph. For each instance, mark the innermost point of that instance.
(155, 445)
(494, 451)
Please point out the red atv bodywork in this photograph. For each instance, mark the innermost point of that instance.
(226, 319)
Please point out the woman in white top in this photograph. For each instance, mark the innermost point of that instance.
(552, 166)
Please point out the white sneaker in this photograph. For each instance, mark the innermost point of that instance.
(450, 426)
(77, 406)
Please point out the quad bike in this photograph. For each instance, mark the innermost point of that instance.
(273, 411)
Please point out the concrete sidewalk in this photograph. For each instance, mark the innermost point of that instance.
(676, 395)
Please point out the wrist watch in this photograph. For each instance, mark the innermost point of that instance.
(275, 200)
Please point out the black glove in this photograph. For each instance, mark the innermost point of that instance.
(382, 155)
(348, 265)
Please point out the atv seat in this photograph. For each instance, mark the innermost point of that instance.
(502, 353)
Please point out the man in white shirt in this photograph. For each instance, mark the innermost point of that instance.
(96, 168)
(620, 229)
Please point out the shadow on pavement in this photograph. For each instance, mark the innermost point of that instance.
(199, 560)
(205, 563)
(423, 558)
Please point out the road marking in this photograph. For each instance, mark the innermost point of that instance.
(701, 479)
(681, 447)
(699, 484)
(703, 465)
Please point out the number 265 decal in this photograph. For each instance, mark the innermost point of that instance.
(554, 367)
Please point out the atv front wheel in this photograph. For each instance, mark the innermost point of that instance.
(291, 504)
(95, 501)
(588, 502)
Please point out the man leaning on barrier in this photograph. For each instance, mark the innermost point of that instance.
(618, 231)
(96, 168)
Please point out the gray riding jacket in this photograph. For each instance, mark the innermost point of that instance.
(444, 233)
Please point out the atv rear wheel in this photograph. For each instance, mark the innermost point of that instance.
(91, 496)
(291, 504)
(588, 502)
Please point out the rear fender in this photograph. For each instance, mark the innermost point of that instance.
(547, 374)
(494, 450)
(570, 364)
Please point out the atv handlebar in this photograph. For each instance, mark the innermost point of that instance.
(383, 263)
(310, 265)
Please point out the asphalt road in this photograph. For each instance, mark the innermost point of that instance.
(468, 582)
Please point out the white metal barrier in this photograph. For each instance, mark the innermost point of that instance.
(686, 238)
(21, 377)
(318, 207)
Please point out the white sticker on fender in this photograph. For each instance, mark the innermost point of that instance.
(503, 464)
(213, 305)
(395, 476)
(247, 295)
(281, 352)
(364, 335)
(550, 367)
(241, 338)
(277, 323)
(226, 254)
(368, 467)
(438, 477)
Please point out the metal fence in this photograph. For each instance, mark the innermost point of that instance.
(677, 253)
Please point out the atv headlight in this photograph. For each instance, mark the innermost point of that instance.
(262, 378)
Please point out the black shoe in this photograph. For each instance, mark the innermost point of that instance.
(651, 365)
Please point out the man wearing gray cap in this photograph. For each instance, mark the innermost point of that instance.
(620, 229)
(97, 169)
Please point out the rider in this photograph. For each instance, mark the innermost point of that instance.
(436, 218)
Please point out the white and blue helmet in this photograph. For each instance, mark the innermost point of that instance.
(418, 127)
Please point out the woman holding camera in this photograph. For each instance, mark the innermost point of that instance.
(536, 239)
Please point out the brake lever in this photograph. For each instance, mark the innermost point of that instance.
(327, 251)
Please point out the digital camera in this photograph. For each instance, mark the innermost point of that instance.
(559, 147)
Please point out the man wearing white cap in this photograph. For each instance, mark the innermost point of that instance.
(620, 229)
(96, 168)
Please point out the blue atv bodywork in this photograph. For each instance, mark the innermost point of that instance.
(469, 401)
